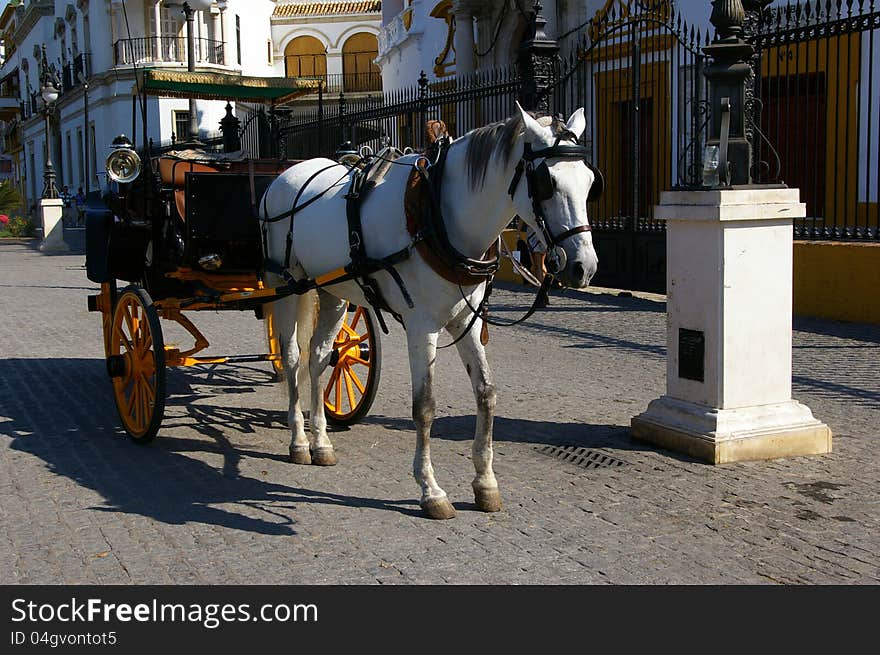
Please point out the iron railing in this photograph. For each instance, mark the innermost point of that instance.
(818, 90)
(638, 71)
(398, 117)
(128, 52)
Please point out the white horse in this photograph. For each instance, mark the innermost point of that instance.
(478, 201)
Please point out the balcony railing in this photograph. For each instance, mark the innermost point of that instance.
(350, 82)
(163, 49)
(70, 72)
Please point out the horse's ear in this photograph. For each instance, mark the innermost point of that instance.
(533, 128)
(577, 123)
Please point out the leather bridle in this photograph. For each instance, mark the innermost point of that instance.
(541, 188)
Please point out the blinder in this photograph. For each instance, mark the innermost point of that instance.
(543, 186)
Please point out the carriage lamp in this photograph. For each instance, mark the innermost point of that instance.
(123, 163)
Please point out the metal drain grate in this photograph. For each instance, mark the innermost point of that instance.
(583, 457)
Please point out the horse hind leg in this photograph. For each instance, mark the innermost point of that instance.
(473, 355)
(286, 311)
(330, 315)
(422, 353)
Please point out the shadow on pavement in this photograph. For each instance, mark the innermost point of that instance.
(62, 412)
(516, 430)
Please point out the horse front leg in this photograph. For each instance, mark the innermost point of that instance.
(286, 324)
(422, 347)
(473, 355)
(330, 315)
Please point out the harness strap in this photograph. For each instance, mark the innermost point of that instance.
(362, 267)
(559, 238)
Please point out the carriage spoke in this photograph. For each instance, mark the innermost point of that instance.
(334, 382)
(355, 379)
(351, 403)
(357, 317)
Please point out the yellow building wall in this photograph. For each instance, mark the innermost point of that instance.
(837, 280)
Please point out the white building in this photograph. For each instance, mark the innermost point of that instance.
(103, 43)
(334, 40)
(446, 38)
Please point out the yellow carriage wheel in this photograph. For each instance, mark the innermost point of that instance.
(136, 364)
(356, 365)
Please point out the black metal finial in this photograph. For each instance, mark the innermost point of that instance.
(727, 18)
(538, 23)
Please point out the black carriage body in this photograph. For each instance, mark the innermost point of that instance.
(222, 220)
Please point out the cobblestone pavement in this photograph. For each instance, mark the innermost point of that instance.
(213, 500)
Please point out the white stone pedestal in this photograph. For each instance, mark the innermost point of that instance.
(51, 210)
(729, 306)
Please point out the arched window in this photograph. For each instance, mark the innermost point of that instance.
(305, 56)
(359, 71)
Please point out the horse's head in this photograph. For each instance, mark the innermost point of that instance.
(550, 190)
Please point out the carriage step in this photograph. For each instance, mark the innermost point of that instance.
(93, 303)
(583, 457)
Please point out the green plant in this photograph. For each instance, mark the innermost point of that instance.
(21, 226)
(10, 199)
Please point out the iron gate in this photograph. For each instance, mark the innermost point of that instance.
(638, 73)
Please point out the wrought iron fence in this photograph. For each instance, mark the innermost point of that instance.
(398, 117)
(818, 85)
(638, 72)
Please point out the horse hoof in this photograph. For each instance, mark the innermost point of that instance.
(438, 508)
(324, 457)
(488, 500)
(300, 455)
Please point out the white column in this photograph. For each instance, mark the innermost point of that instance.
(217, 29)
(53, 227)
(465, 57)
(729, 306)
(157, 37)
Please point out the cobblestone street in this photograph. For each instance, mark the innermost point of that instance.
(214, 500)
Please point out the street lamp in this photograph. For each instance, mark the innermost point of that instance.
(49, 92)
(189, 8)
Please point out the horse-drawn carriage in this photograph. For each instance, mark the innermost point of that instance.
(408, 234)
(183, 231)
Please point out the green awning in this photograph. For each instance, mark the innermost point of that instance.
(223, 86)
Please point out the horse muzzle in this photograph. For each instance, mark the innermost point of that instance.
(578, 273)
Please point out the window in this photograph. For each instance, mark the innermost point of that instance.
(93, 155)
(69, 168)
(359, 71)
(269, 51)
(80, 160)
(305, 56)
(181, 125)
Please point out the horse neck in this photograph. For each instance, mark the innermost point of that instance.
(474, 218)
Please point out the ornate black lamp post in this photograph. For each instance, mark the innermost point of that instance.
(49, 91)
(728, 75)
(537, 58)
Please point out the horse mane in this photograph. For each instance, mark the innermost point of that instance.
(483, 143)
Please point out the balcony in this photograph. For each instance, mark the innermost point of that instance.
(73, 72)
(164, 50)
(9, 100)
(352, 82)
